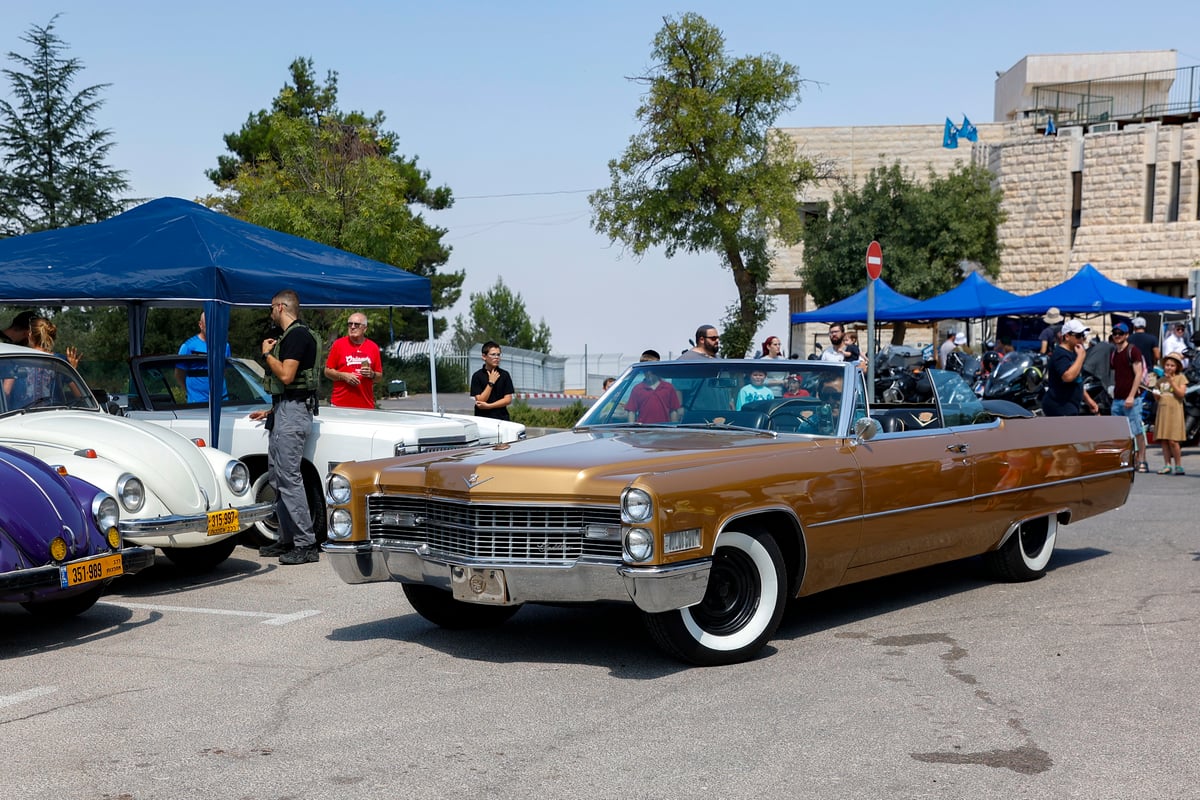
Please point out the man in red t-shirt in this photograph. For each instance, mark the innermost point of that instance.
(353, 365)
(653, 401)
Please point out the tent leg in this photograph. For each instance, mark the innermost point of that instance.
(432, 361)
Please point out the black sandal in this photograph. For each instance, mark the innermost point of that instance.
(1143, 466)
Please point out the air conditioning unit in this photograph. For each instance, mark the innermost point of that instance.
(1102, 127)
(1070, 132)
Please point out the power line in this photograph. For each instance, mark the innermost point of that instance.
(521, 194)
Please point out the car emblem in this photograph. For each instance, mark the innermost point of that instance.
(473, 480)
(925, 418)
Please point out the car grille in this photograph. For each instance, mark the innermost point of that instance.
(497, 532)
(431, 444)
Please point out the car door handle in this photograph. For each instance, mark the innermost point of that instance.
(956, 448)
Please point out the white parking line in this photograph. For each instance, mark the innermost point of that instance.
(270, 618)
(28, 694)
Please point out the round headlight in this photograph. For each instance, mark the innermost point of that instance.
(339, 524)
(337, 487)
(106, 513)
(639, 544)
(131, 492)
(637, 505)
(237, 476)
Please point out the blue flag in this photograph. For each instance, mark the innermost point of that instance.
(967, 131)
(1050, 129)
(950, 137)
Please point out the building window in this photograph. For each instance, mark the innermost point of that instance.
(1076, 203)
(1173, 198)
(1148, 203)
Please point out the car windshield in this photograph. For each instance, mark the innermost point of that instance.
(38, 381)
(786, 397)
(167, 383)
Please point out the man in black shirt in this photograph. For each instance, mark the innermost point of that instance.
(491, 387)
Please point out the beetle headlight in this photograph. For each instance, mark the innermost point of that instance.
(106, 513)
(638, 544)
(337, 489)
(237, 476)
(339, 524)
(636, 505)
(131, 492)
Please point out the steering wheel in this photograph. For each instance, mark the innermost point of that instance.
(788, 411)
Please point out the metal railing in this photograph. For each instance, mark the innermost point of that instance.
(1167, 95)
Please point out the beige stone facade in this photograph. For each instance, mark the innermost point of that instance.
(1126, 201)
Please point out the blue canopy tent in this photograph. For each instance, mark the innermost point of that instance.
(1088, 291)
(889, 306)
(175, 252)
(973, 298)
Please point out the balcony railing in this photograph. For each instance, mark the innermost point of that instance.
(1163, 95)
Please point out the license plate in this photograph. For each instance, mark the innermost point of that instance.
(92, 569)
(223, 521)
(478, 585)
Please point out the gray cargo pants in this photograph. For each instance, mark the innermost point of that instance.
(293, 423)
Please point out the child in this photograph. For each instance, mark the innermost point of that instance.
(1169, 424)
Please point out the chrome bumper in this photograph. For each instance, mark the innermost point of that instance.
(133, 559)
(652, 589)
(176, 524)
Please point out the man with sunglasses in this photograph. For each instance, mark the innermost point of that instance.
(707, 343)
(353, 365)
(1064, 381)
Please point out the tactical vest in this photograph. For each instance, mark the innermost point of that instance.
(306, 380)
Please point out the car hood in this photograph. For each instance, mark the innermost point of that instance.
(589, 462)
(168, 464)
(37, 505)
(422, 425)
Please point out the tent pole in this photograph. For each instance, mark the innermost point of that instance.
(432, 362)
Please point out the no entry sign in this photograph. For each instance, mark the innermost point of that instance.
(874, 261)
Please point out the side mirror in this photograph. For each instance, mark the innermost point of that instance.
(866, 429)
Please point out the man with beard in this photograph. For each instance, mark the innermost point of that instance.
(707, 342)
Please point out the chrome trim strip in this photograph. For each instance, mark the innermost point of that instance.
(972, 498)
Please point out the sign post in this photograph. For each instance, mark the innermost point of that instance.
(874, 270)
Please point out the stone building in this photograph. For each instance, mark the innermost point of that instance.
(1098, 156)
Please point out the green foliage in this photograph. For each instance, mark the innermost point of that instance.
(530, 417)
(52, 159)
(706, 173)
(499, 315)
(926, 232)
(414, 371)
(307, 168)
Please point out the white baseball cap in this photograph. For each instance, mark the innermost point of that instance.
(1074, 326)
(1139, 322)
(960, 338)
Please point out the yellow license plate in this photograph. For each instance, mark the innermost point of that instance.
(223, 521)
(92, 569)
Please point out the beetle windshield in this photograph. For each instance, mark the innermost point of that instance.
(36, 381)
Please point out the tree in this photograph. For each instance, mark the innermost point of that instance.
(307, 168)
(498, 315)
(926, 231)
(53, 173)
(706, 173)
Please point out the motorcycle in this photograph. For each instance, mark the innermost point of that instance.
(900, 376)
(1020, 378)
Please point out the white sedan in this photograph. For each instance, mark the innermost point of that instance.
(176, 494)
(339, 434)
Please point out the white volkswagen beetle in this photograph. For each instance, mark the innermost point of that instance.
(339, 435)
(176, 494)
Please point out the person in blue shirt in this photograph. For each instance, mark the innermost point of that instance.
(194, 377)
(755, 389)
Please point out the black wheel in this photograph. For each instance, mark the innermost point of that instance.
(439, 607)
(201, 559)
(267, 531)
(1027, 552)
(66, 607)
(740, 612)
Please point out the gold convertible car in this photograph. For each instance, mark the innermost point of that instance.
(709, 492)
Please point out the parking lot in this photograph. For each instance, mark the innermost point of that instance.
(261, 681)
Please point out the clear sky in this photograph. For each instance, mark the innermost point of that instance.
(518, 106)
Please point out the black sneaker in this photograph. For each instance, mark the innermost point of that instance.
(301, 555)
(274, 549)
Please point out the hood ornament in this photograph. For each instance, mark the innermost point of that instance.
(473, 480)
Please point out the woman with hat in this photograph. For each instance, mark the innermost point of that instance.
(1169, 426)
(1053, 318)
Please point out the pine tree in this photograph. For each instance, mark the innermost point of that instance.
(52, 157)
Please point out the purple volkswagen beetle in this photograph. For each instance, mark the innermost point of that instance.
(59, 543)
